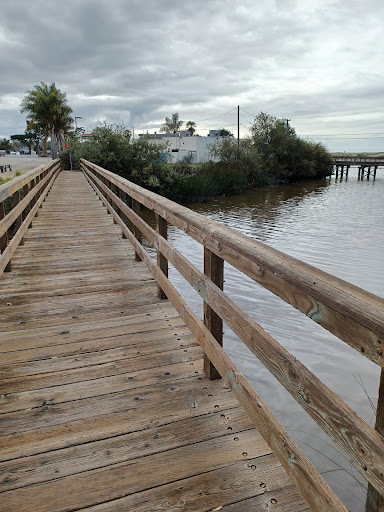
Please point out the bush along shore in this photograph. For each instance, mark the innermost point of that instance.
(272, 153)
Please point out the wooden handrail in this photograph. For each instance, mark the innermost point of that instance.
(290, 279)
(324, 406)
(359, 159)
(312, 486)
(350, 313)
(12, 186)
(34, 186)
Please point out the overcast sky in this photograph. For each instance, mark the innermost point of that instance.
(318, 63)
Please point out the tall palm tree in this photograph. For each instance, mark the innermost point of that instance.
(191, 127)
(47, 106)
(172, 124)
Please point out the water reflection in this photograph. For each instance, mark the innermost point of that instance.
(335, 226)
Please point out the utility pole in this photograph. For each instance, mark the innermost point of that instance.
(76, 118)
(238, 126)
(287, 123)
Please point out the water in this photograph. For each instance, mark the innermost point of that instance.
(337, 226)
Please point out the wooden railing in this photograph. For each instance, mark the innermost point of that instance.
(355, 160)
(20, 200)
(355, 316)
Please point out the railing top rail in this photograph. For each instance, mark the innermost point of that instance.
(359, 159)
(9, 188)
(312, 486)
(351, 313)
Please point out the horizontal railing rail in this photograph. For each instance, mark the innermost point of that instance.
(360, 160)
(20, 200)
(355, 316)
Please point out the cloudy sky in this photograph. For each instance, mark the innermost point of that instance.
(318, 63)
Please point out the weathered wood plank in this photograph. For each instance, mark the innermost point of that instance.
(108, 483)
(51, 427)
(250, 487)
(4, 239)
(61, 373)
(104, 452)
(136, 207)
(99, 387)
(214, 270)
(375, 499)
(162, 262)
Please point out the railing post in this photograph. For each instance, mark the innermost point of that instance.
(136, 207)
(41, 177)
(4, 238)
(214, 270)
(123, 217)
(375, 501)
(37, 195)
(16, 198)
(162, 262)
(30, 205)
(107, 184)
(45, 173)
(112, 188)
(115, 190)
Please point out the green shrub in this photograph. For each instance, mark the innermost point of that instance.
(112, 148)
(283, 155)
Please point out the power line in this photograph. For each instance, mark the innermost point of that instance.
(215, 117)
(247, 112)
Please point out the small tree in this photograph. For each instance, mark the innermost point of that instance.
(225, 133)
(191, 127)
(30, 139)
(240, 156)
(5, 144)
(172, 124)
(284, 155)
(112, 147)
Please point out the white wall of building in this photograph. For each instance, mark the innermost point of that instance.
(195, 149)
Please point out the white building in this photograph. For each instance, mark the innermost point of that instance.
(184, 147)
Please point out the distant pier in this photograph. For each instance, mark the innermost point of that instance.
(367, 166)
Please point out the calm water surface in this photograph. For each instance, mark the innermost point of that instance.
(337, 226)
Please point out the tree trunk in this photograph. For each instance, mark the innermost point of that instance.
(45, 144)
(53, 144)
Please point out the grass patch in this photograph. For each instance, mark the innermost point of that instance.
(4, 180)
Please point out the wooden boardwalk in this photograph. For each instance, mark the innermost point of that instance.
(104, 403)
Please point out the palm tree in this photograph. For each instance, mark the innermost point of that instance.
(47, 107)
(191, 127)
(223, 132)
(172, 124)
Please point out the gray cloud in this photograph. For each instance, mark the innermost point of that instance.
(136, 62)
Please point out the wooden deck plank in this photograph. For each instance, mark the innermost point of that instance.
(106, 452)
(104, 405)
(201, 492)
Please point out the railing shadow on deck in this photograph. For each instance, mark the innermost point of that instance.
(353, 315)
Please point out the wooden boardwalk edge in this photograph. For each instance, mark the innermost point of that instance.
(105, 405)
